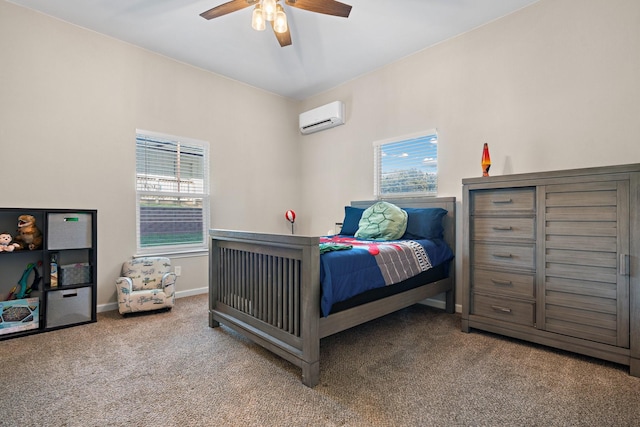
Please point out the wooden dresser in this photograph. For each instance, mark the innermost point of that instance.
(554, 258)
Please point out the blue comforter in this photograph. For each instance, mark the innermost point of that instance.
(369, 264)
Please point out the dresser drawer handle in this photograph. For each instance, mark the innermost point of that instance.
(501, 201)
(501, 309)
(502, 255)
(503, 228)
(502, 282)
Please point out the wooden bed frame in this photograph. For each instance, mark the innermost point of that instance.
(267, 287)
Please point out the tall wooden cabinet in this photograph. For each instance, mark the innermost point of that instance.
(553, 258)
(69, 237)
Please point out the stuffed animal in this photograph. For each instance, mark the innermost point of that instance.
(28, 235)
(5, 242)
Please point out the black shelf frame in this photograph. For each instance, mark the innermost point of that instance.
(43, 254)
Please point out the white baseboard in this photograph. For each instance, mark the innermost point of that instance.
(437, 303)
(107, 307)
(431, 302)
(180, 294)
(192, 292)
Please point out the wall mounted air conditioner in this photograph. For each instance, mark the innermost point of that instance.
(321, 118)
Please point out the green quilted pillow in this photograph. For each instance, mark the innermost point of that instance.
(382, 221)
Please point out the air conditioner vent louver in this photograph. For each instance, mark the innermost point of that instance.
(317, 124)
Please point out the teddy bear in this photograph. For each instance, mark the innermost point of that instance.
(28, 235)
(5, 242)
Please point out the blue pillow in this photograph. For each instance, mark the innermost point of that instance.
(425, 223)
(351, 220)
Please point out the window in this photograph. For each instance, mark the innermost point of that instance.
(172, 190)
(406, 166)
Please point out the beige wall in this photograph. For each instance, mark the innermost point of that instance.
(70, 102)
(553, 86)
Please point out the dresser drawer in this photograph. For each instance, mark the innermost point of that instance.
(505, 309)
(503, 255)
(492, 228)
(503, 283)
(503, 201)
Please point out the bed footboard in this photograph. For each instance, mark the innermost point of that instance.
(267, 287)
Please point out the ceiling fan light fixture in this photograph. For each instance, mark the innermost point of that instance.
(269, 9)
(280, 22)
(273, 11)
(257, 19)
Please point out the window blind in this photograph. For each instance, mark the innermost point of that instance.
(406, 165)
(172, 186)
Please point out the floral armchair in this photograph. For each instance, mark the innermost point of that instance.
(146, 284)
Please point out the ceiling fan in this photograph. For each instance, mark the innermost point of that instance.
(272, 11)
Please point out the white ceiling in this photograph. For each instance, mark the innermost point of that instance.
(326, 50)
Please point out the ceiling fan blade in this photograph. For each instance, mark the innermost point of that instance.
(283, 38)
(228, 7)
(328, 7)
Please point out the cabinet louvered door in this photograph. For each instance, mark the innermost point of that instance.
(585, 274)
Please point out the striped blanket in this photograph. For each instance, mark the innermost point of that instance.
(397, 260)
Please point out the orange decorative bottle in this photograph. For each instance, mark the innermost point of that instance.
(486, 160)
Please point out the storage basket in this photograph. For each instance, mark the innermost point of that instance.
(74, 274)
(69, 231)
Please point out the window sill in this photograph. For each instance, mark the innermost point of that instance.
(175, 254)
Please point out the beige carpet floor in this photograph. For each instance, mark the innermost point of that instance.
(411, 368)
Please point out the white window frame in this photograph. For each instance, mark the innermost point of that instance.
(428, 163)
(173, 191)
